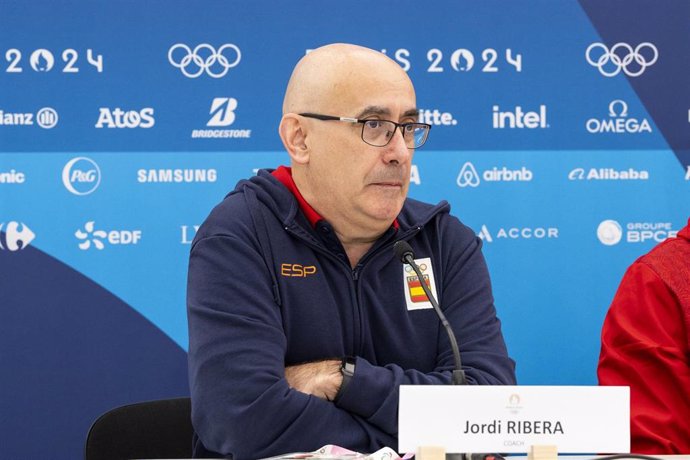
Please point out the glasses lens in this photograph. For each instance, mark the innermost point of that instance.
(415, 135)
(377, 132)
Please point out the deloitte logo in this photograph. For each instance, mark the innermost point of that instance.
(81, 176)
(618, 121)
(435, 117)
(15, 239)
(609, 232)
(468, 176)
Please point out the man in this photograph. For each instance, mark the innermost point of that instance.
(645, 344)
(300, 326)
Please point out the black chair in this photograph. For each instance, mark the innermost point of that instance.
(152, 429)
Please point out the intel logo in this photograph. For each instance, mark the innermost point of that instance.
(81, 176)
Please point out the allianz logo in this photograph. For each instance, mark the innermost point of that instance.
(176, 175)
(518, 233)
(46, 118)
(618, 121)
(118, 118)
(608, 174)
(517, 118)
(469, 177)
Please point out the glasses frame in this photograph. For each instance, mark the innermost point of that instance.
(363, 121)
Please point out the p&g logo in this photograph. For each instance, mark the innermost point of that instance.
(81, 176)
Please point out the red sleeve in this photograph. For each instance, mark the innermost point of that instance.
(644, 346)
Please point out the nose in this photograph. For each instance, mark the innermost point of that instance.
(396, 151)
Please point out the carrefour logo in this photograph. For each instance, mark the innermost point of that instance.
(81, 176)
(17, 236)
(610, 232)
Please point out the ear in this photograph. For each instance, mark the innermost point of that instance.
(293, 133)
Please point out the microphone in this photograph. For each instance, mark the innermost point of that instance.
(405, 254)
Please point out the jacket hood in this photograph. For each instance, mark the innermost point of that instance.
(272, 193)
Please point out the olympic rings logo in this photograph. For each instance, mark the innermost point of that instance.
(422, 268)
(204, 58)
(622, 60)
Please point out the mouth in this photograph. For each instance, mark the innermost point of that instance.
(388, 184)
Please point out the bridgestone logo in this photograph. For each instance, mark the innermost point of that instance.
(221, 133)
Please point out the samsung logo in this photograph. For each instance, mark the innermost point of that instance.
(176, 175)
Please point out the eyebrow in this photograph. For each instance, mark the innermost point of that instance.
(383, 111)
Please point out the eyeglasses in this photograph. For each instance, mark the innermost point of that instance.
(380, 132)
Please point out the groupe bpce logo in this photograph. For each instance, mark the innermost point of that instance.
(621, 57)
(204, 58)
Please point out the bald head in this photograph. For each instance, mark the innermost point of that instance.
(331, 79)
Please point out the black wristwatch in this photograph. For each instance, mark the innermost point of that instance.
(347, 369)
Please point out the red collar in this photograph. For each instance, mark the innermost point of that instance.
(284, 175)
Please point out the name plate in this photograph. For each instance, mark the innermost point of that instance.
(511, 419)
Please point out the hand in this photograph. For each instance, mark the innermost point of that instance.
(319, 378)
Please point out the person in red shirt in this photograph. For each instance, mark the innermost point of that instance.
(645, 344)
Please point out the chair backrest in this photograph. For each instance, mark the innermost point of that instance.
(152, 429)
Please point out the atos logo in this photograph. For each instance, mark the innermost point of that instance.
(518, 119)
(468, 176)
(618, 121)
(610, 232)
(119, 118)
(81, 176)
(90, 236)
(17, 236)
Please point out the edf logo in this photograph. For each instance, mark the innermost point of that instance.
(81, 176)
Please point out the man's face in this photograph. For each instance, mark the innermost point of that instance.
(350, 179)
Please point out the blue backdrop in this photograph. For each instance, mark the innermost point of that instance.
(561, 135)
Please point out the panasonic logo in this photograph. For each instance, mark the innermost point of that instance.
(176, 175)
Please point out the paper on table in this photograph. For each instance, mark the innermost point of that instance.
(332, 452)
